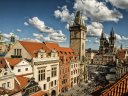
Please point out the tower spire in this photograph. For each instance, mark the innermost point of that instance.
(78, 19)
(121, 46)
(112, 32)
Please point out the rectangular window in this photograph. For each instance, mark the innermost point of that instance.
(19, 70)
(26, 69)
(3, 85)
(44, 86)
(14, 51)
(54, 72)
(8, 84)
(17, 52)
(52, 84)
(41, 74)
(48, 79)
(55, 82)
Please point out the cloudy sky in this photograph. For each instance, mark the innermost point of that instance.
(48, 20)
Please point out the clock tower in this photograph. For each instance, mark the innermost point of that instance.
(78, 36)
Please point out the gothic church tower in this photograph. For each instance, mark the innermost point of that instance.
(112, 39)
(78, 36)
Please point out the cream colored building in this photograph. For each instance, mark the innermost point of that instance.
(46, 71)
(74, 72)
(6, 76)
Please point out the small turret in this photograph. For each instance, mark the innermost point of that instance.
(121, 46)
(78, 19)
(12, 40)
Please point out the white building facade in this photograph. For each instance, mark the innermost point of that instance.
(46, 71)
(20, 67)
(74, 72)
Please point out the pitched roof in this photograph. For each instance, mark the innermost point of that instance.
(13, 61)
(39, 93)
(34, 47)
(31, 47)
(23, 81)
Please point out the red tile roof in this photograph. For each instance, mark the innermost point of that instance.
(34, 47)
(31, 47)
(39, 93)
(13, 61)
(23, 81)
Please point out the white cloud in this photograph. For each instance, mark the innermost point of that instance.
(38, 36)
(18, 30)
(30, 39)
(95, 29)
(119, 37)
(40, 25)
(97, 11)
(64, 14)
(26, 24)
(7, 36)
(96, 42)
(56, 37)
(123, 4)
(53, 35)
(87, 40)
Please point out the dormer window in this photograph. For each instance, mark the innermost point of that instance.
(41, 53)
(53, 53)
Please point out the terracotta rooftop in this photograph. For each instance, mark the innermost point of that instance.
(13, 61)
(31, 47)
(39, 93)
(23, 81)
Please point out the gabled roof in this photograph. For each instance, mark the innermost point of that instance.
(31, 47)
(23, 81)
(39, 93)
(13, 61)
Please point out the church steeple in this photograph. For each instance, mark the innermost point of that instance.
(112, 40)
(112, 32)
(121, 46)
(12, 39)
(102, 35)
